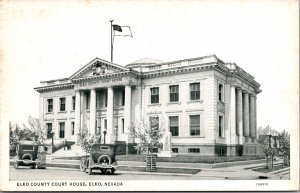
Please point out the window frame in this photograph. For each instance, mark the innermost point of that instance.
(60, 129)
(172, 116)
(72, 127)
(123, 97)
(195, 91)
(221, 92)
(190, 125)
(73, 103)
(87, 101)
(49, 130)
(176, 150)
(154, 98)
(51, 99)
(60, 104)
(221, 126)
(192, 152)
(173, 93)
(150, 121)
(123, 125)
(106, 98)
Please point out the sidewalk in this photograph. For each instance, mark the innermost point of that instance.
(227, 170)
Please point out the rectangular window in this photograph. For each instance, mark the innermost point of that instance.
(154, 122)
(154, 95)
(105, 102)
(175, 150)
(174, 125)
(49, 130)
(105, 124)
(123, 97)
(194, 150)
(123, 126)
(220, 91)
(195, 91)
(62, 104)
(62, 130)
(220, 126)
(73, 128)
(195, 125)
(87, 101)
(28, 148)
(73, 103)
(155, 150)
(50, 105)
(174, 93)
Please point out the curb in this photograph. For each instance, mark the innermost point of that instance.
(167, 170)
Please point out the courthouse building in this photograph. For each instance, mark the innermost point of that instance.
(208, 105)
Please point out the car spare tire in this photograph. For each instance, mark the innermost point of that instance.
(27, 158)
(104, 160)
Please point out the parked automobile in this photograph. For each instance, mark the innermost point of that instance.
(102, 157)
(29, 153)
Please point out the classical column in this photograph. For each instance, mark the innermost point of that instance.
(110, 115)
(246, 116)
(127, 109)
(239, 115)
(232, 116)
(252, 114)
(77, 112)
(93, 111)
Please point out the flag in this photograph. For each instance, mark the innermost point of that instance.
(117, 28)
(122, 30)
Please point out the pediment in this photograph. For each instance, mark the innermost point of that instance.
(98, 67)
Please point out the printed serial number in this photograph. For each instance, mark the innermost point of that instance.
(262, 184)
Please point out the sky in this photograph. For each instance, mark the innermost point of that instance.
(44, 40)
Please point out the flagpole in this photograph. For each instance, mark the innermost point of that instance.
(111, 41)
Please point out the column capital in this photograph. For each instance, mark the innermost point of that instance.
(245, 92)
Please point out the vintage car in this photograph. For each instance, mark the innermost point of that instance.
(102, 157)
(29, 154)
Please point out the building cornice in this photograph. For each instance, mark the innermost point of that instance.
(54, 87)
(178, 70)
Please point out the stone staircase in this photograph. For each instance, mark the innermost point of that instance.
(75, 151)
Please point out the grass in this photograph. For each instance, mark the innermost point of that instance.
(189, 158)
(180, 158)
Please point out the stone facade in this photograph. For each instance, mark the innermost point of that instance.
(208, 105)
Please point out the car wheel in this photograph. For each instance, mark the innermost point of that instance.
(112, 171)
(90, 171)
(16, 165)
(82, 167)
(103, 171)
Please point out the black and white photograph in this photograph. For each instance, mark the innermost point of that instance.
(148, 95)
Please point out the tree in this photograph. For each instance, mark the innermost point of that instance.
(148, 135)
(86, 139)
(284, 146)
(266, 130)
(36, 131)
(33, 133)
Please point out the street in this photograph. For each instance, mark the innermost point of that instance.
(25, 173)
